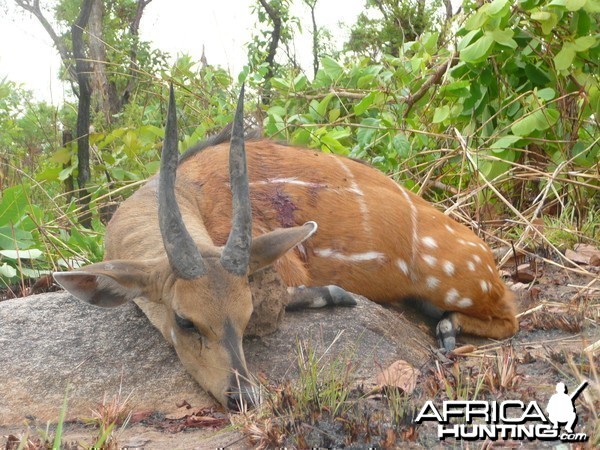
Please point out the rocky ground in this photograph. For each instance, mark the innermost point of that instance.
(46, 340)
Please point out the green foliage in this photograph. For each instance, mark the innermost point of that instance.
(386, 24)
(519, 87)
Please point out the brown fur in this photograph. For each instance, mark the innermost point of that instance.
(331, 203)
(374, 238)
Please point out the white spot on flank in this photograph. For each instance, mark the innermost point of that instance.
(461, 241)
(294, 181)
(450, 229)
(483, 247)
(448, 268)
(432, 282)
(484, 286)
(451, 296)
(430, 260)
(490, 269)
(471, 266)
(472, 244)
(353, 257)
(477, 259)
(429, 242)
(464, 302)
(402, 266)
(173, 337)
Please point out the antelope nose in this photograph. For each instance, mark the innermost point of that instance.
(238, 401)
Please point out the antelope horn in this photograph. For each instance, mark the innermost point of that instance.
(184, 256)
(236, 253)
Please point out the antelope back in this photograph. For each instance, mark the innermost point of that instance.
(375, 238)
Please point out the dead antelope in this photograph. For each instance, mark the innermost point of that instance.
(184, 249)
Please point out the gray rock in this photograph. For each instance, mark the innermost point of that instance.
(51, 341)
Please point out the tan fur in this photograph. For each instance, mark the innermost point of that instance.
(374, 238)
(323, 193)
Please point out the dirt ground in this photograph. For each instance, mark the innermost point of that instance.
(559, 316)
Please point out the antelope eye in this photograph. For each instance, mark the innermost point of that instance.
(184, 323)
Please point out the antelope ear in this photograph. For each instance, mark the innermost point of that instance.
(266, 249)
(111, 283)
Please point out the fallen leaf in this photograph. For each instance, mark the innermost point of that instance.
(138, 416)
(586, 249)
(577, 257)
(524, 276)
(464, 349)
(400, 374)
(534, 293)
(583, 254)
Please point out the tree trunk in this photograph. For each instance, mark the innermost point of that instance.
(83, 69)
(134, 31)
(104, 90)
(275, 37)
(67, 137)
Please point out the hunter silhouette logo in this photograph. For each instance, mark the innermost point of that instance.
(561, 407)
(472, 420)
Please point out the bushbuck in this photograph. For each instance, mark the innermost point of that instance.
(185, 244)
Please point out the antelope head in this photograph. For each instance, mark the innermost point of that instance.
(203, 290)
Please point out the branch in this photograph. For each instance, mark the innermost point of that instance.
(275, 36)
(134, 29)
(434, 79)
(34, 8)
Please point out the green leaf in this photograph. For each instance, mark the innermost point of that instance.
(13, 238)
(479, 50)
(61, 156)
(401, 145)
(300, 82)
(33, 253)
(546, 94)
(441, 113)
(537, 75)
(547, 19)
(332, 143)
(456, 89)
(504, 142)
(367, 132)
(280, 84)
(332, 68)
(496, 8)
(364, 104)
(334, 114)
(541, 16)
(365, 81)
(477, 20)
(564, 57)
(540, 120)
(504, 37)
(574, 5)
(585, 42)
(65, 173)
(525, 126)
(467, 39)
(322, 106)
(7, 271)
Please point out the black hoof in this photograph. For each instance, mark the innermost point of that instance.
(446, 334)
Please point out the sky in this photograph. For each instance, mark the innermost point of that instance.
(28, 57)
